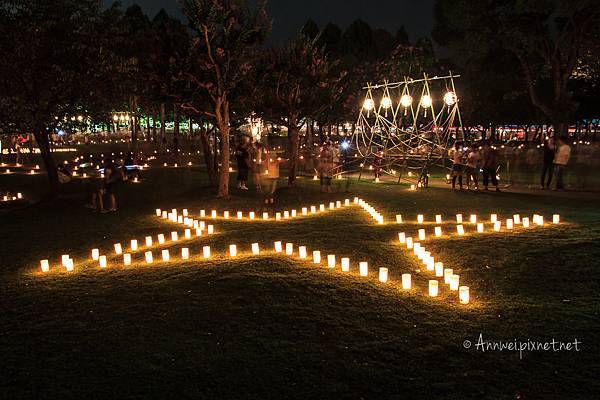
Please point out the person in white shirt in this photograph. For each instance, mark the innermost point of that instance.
(472, 167)
(561, 159)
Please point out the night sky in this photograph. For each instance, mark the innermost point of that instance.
(289, 15)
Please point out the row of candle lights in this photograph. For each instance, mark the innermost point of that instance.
(473, 218)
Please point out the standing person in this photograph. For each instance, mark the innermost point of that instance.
(326, 166)
(457, 166)
(270, 176)
(258, 163)
(377, 164)
(473, 167)
(243, 163)
(490, 164)
(548, 164)
(563, 154)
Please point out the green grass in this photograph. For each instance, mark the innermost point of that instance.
(272, 327)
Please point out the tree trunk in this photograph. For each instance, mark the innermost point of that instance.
(561, 128)
(133, 120)
(162, 121)
(41, 137)
(176, 120)
(222, 117)
(208, 157)
(293, 147)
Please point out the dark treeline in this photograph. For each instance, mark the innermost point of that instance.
(520, 61)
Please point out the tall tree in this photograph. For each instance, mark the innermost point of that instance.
(227, 35)
(545, 38)
(49, 66)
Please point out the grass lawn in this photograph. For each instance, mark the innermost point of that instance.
(273, 327)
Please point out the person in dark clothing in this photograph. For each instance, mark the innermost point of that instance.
(490, 165)
(548, 164)
(242, 156)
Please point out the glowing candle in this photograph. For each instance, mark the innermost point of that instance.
(460, 230)
(447, 274)
(433, 288)
(454, 279)
(289, 249)
(473, 219)
(180, 219)
(252, 215)
(421, 234)
(278, 216)
(497, 226)
(316, 257)
(278, 247)
(463, 294)
(161, 238)
(185, 253)
(102, 261)
(126, 259)
(438, 219)
(95, 254)
(69, 264)
(165, 215)
(286, 214)
(174, 236)
(158, 212)
(133, 245)
(165, 255)
(556, 219)
(345, 264)
(525, 222)
(540, 220)
(45, 265)
(398, 219)
(420, 218)
(438, 231)
(406, 281)
(304, 210)
(302, 252)
(240, 215)
(185, 212)
(493, 218)
(313, 209)
(226, 214)
(480, 227)
(331, 205)
(118, 248)
(232, 250)
(210, 229)
(202, 213)
(202, 225)
(363, 268)
(322, 207)
(409, 242)
(213, 214)
(402, 237)
(517, 219)
(255, 249)
(206, 251)
(331, 260)
(187, 234)
(459, 218)
(439, 269)
(338, 204)
(383, 275)
(346, 202)
(509, 223)
(412, 187)
(148, 256)
(198, 232)
(266, 216)
(294, 213)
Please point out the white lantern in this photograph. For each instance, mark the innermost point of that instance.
(95, 254)
(165, 215)
(383, 275)
(402, 237)
(185, 253)
(398, 219)
(406, 100)
(158, 212)
(421, 234)
(497, 226)
(459, 218)
(346, 202)
(187, 233)
(363, 268)
(304, 211)
(454, 282)
(433, 288)
(509, 223)
(447, 274)
(289, 249)
(460, 230)
(148, 257)
(198, 232)
(118, 248)
(556, 219)
(165, 255)
(294, 213)
(525, 222)
(202, 213)
(313, 209)
(213, 214)
(438, 219)
(316, 257)
(516, 219)
(174, 236)
(409, 242)
(420, 218)
(278, 216)
(331, 205)
(439, 269)
(102, 261)
(438, 231)
(278, 247)
(406, 281)
(240, 215)
(463, 294)
(345, 264)
(386, 102)
(252, 215)
(45, 265)
(210, 229)
(480, 227)
(232, 250)
(322, 207)
(126, 259)
(450, 98)
(286, 214)
(134, 245)
(69, 264)
(426, 101)
(226, 214)
(302, 252)
(473, 218)
(255, 249)
(493, 218)
(206, 251)
(265, 216)
(185, 212)
(331, 261)
(369, 104)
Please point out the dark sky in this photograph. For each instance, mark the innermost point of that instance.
(289, 15)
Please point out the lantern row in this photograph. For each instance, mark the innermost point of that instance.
(406, 101)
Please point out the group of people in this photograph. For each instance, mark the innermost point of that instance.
(256, 159)
(470, 161)
(556, 158)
